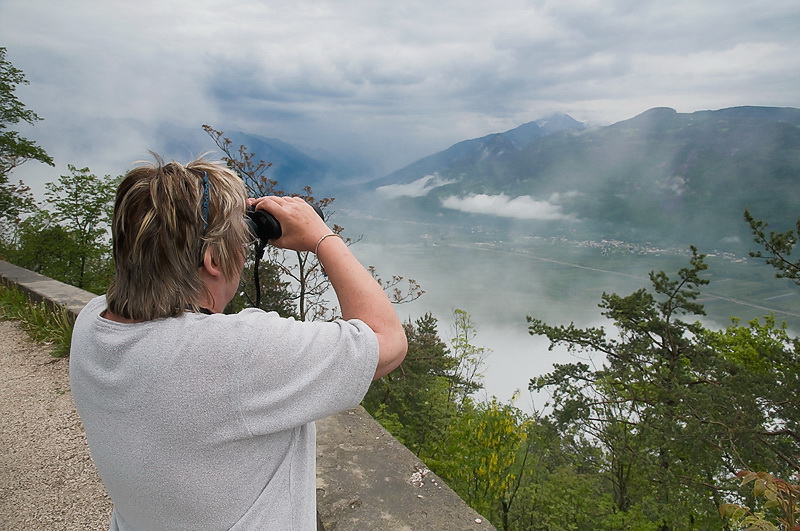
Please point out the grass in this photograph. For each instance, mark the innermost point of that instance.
(43, 324)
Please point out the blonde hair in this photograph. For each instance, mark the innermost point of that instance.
(165, 218)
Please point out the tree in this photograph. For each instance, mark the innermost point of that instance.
(307, 285)
(275, 295)
(561, 485)
(420, 398)
(412, 400)
(765, 365)
(83, 203)
(778, 246)
(71, 243)
(673, 412)
(482, 455)
(307, 282)
(14, 149)
(44, 247)
(16, 201)
(479, 448)
(469, 358)
(767, 349)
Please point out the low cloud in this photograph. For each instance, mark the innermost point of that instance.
(522, 207)
(418, 188)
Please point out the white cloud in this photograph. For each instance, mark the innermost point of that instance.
(418, 188)
(394, 81)
(521, 207)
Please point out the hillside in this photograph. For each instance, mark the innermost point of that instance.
(468, 155)
(661, 176)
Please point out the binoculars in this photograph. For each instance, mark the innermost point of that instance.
(264, 226)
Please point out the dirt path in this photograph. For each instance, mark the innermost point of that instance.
(47, 479)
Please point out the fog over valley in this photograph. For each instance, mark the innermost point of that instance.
(501, 281)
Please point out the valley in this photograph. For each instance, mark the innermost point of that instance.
(500, 281)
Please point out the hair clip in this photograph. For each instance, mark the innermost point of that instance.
(205, 201)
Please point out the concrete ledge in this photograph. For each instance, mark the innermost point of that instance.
(366, 479)
(41, 289)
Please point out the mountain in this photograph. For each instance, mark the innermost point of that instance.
(464, 156)
(660, 176)
(294, 168)
(291, 167)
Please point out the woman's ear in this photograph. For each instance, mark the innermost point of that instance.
(210, 264)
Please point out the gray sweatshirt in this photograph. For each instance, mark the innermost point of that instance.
(206, 421)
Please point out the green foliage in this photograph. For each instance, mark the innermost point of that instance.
(647, 441)
(759, 348)
(14, 149)
(44, 247)
(771, 495)
(83, 204)
(15, 199)
(673, 406)
(70, 243)
(416, 397)
(275, 293)
(778, 246)
(767, 351)
(765, 361)
(563, 487)
(480, 449)
(469, 358)
(43, 324)
(480, 455)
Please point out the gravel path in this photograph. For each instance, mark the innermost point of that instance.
(47, 478)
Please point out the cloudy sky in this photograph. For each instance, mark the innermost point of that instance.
(391, 81)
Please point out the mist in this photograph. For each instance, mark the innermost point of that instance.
(501, 276)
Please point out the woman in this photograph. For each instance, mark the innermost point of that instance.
(200, 420)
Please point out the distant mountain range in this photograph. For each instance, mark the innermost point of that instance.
(295, 169)
(464, 157)
(661, 176)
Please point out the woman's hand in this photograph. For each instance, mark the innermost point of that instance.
(301, 226)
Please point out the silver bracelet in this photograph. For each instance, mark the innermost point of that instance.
(316, 247)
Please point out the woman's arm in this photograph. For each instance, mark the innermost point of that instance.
(359, 294)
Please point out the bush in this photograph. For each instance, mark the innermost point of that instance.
(43, 324)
